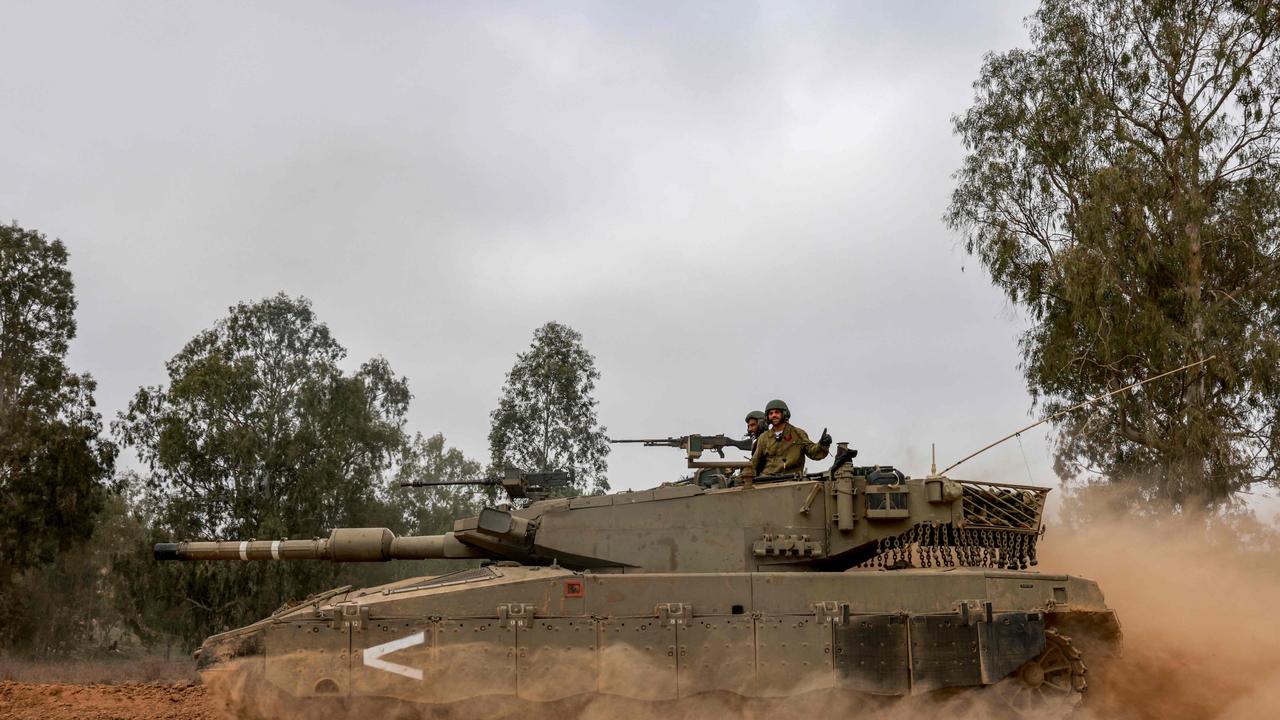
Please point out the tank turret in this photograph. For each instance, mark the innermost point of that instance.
(872, 515)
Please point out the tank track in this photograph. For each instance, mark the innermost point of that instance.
(1052, 685)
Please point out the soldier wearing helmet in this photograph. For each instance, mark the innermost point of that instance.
(782, 450)
(757, 424)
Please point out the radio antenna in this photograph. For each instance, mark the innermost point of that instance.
(1073, 408)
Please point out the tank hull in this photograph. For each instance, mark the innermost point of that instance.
(546, 634)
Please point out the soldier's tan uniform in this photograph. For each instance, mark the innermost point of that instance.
(784, 454)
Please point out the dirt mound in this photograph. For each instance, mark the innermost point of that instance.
(126, 701)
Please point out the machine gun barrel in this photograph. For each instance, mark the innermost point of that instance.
(516, 482)
(342, 545)
(449, 483)
(790, 476)
(694, 444)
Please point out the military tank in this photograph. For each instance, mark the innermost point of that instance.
(856, 580)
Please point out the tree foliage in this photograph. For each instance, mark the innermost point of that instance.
(432, 510)
(1122, 185)
(260, 434)
(546, 419)
(54, 466)
(87, 600)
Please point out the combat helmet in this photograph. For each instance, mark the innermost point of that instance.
(779, 405)
(762, 421)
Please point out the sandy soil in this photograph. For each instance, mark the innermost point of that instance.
(126, 701)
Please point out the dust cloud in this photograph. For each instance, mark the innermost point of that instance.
(1198, 600)
(1199, 604)
(239, 693)
(242, 690)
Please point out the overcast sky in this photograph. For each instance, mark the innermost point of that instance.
(731, 202)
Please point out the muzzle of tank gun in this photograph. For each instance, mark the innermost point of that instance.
(342, 545)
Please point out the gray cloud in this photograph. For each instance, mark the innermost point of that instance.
(730, 201)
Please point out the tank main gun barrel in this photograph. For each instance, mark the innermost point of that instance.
(342, 545)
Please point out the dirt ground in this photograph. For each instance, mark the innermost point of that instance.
(126, 701)
(137, 688)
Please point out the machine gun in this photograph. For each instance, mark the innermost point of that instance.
(713, 473)
(518, 483)
(695, 445)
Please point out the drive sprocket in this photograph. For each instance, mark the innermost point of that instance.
(1050, 685)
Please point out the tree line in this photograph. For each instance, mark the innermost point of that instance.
(1120, 183)
(257, 432)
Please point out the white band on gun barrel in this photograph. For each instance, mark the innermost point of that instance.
(244, 550)
(275, 549)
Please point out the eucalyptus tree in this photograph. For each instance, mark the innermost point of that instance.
(260, 433)
(546, 418)
(1122, 186)
(55, 466)
(432, 510)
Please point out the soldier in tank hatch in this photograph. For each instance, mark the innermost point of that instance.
(757, 424)
(781, 450)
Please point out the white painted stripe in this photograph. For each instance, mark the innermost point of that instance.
(373, 655)
(244, 550)
(275, 549)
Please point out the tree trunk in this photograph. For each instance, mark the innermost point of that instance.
(1193, 452)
